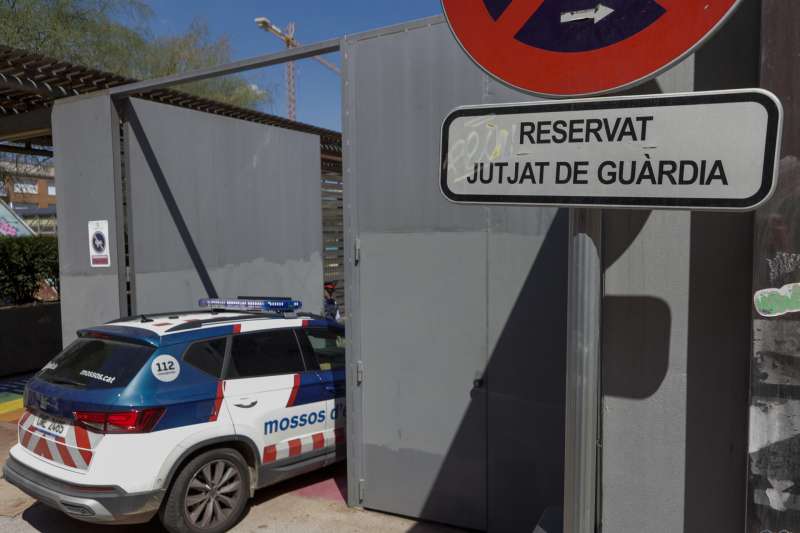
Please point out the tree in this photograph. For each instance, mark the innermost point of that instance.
(115, 36)
(196, 49)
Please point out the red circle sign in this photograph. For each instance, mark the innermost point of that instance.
(581, 47)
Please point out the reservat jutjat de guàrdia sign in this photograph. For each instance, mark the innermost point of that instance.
(688, 151)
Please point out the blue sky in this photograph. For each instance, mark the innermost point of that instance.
(318, 89)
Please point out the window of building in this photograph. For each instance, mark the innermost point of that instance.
(26, 186)
(51, 189)
(266, 353)
(3, 188)
(207, 356)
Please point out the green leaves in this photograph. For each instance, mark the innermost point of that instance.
(25, 264)
(115, 36)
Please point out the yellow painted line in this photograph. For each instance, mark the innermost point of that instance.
(11, 417)
(13, 405)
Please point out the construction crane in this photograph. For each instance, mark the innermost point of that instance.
(287, 36)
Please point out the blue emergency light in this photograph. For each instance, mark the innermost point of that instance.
(278, 305)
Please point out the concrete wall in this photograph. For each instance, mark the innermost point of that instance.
(444, 295)
(234, 202)
(773, 499)
(84, 136)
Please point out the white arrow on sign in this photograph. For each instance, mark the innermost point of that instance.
(598, 13)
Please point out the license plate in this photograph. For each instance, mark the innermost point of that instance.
(50, 426)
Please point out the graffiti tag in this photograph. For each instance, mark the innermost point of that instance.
(7, 229)
(777, 302)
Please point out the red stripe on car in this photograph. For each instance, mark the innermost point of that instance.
(42, 449)
(319, 440)
(218, 401)
(294, 447)
(237, 328)
(295, 388)
(66, 458)
(270, 454)
(82, 440)
(339, 433)
(25, 438)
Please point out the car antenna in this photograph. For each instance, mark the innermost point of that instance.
(145, 319)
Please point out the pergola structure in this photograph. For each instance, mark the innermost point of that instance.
(30, 83)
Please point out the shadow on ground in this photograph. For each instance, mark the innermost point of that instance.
(45, 519)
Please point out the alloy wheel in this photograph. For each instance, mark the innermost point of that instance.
(213, 493)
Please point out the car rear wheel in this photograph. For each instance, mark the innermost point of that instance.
(209, 494)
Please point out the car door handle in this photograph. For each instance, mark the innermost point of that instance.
(246, 406)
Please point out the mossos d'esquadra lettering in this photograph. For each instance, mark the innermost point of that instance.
(286, 423)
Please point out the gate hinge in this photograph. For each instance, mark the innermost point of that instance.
(359, 372)
(357, 252)
(362, 489)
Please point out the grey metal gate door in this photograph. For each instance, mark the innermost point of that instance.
(456, 314)
(418, 293)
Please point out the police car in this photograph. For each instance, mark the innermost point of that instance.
(183, 414)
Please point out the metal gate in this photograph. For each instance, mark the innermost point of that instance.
(457, 314)
(196, 203)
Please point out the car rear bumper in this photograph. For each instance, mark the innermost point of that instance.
(104, 505)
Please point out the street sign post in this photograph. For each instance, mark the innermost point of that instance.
(713, 150)
(581, 47)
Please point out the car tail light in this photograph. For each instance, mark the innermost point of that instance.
(94, 421)
(133, 421)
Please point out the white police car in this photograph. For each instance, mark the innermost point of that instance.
(184, 414)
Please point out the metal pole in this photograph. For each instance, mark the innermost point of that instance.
(292, 54)
(583, 371)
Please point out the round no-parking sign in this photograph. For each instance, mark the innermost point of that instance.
(581, 47)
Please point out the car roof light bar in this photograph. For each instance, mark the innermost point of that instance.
(276, 305)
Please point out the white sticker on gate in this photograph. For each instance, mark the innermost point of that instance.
(165, 368)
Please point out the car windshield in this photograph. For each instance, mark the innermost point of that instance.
(96, 363)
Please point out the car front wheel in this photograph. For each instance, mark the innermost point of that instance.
(209, 495)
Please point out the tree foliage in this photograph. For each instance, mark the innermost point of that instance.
(26, 263)
(115, 36)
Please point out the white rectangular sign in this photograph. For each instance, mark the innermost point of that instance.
(714, 150)
(99, 254)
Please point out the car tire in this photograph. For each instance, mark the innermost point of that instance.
(204, 497)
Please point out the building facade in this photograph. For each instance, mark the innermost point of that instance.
(29, 188)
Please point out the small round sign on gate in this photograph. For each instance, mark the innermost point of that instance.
(557, 48)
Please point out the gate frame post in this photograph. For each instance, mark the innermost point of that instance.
(582, 435)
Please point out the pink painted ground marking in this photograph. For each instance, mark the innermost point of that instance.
(332, 489)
